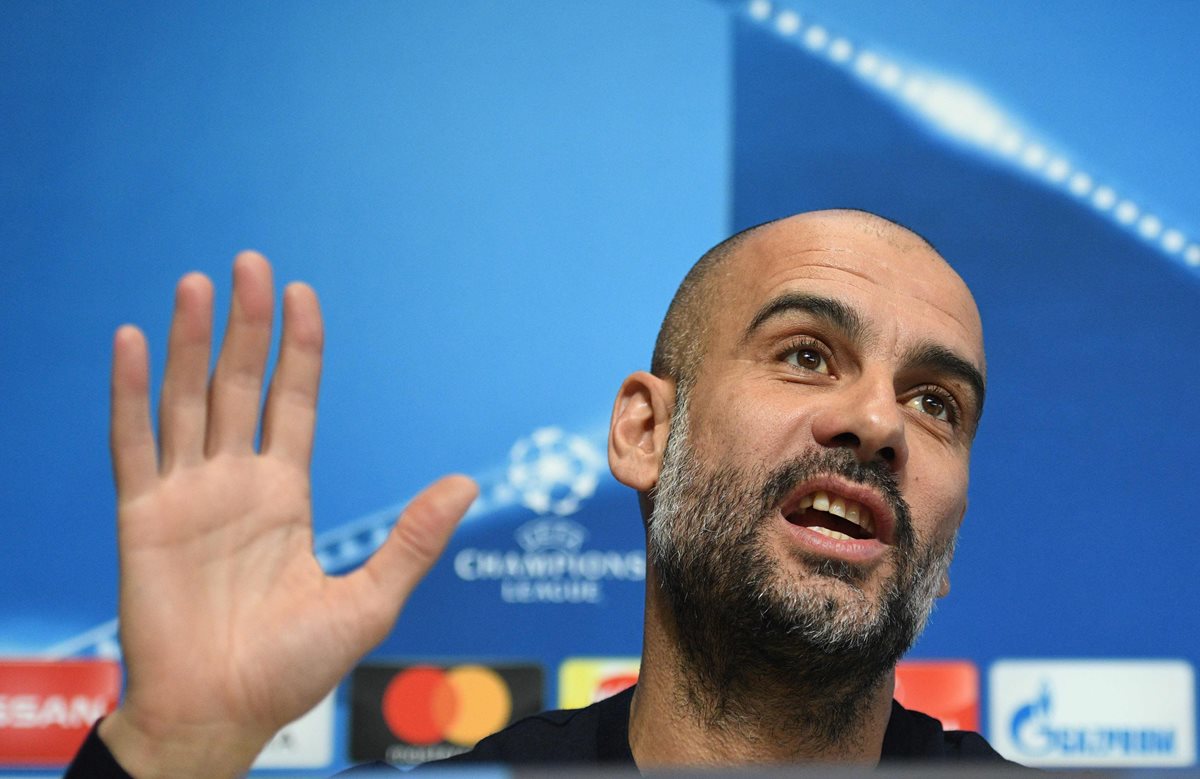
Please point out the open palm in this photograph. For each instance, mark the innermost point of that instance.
(229, 627)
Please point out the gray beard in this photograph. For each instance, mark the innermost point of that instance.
(760, 650)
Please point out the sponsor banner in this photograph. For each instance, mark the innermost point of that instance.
(48, 707)
(410, 714)
(945, 689)
(584, 680)
(305, 743)
(1093, 713)
(549, 562)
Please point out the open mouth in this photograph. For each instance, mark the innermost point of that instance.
(833, 515)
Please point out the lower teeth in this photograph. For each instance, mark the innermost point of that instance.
(830, 533)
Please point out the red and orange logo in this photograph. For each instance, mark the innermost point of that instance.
(945, 689)
(47, 707)
(425, 705)
(409, 714)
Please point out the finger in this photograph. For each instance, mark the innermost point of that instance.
(415, 542)
(236, 388)
(182, 411)
(291, 411)
(135, 464)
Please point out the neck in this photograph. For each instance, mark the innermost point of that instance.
(748, 713)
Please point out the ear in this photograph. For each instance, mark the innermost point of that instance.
(637, 435)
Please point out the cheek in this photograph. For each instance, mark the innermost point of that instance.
(747, 429)
(937, 496)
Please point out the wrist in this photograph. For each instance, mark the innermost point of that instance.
(154, 750)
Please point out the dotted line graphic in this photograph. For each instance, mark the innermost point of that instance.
(968, 116)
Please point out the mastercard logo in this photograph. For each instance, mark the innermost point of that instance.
(425, 705)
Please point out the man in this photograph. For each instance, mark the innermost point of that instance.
(800, 449)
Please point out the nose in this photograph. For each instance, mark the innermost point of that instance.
(865, 417)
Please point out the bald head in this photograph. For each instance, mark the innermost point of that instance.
(685, 330)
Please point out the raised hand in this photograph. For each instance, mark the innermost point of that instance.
(229, 627)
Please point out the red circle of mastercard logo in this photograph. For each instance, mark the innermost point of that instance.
(424, 705)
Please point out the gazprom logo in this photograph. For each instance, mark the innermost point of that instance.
(1093, 713)
(1036, 734)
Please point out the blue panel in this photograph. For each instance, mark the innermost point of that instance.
(496, 201)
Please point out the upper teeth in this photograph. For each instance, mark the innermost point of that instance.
(841, 507)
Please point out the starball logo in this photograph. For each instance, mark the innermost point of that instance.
(553, 471)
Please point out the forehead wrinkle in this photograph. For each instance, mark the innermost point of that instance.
(831, 256)
(845, 317)
(849, 265)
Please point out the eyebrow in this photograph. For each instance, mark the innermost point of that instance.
(833, 311)
(933, 356)
(927, 355)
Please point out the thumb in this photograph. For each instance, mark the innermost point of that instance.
(416, 540)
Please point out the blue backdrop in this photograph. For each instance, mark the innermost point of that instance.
(495, 203)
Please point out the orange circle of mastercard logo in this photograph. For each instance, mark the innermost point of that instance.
(424, 705)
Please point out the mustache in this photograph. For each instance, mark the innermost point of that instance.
(842, 463)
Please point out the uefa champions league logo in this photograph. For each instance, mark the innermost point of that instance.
(550, 472)
(553, 472)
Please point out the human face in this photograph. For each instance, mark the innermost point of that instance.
(738, 620)
(835, 333)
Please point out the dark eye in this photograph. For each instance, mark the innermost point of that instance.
(808, 358)
(931, 404)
